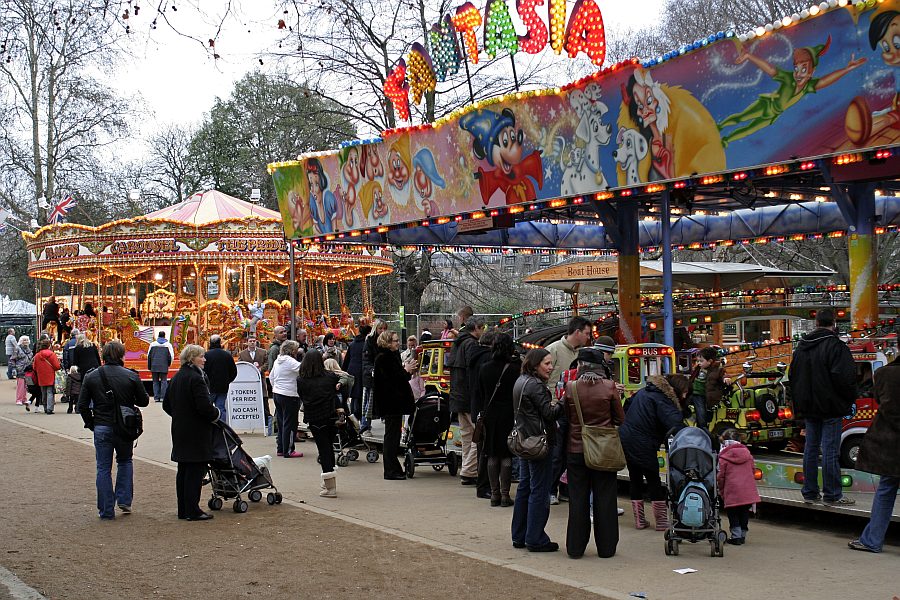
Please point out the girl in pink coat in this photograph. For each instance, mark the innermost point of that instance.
(737, 485)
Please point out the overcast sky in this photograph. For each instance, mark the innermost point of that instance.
(179, 80)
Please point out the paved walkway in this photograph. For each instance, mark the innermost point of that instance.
(433, 509)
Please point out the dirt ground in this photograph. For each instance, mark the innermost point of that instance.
(54, 542)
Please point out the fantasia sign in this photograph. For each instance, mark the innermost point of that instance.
(822, 86)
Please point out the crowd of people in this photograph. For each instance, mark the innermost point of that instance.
(553, 394)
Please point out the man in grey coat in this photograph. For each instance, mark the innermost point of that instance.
(159, 359)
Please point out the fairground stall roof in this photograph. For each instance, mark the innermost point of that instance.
(778, 115)
(209, 228)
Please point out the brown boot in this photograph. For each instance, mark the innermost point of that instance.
(661, 514)
(505, 482)
(640, 522)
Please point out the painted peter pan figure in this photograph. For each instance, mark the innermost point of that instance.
(792, 87)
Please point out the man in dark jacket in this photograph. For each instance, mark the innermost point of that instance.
(159, 359)
(98, 410)
(353, 364)
(460, 399)
(479, 355)
(221, 371)
(823, 387)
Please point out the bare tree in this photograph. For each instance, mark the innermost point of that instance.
(171, 166)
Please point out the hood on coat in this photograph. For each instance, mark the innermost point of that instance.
(736, 454)
(660, 383)
(816, 336)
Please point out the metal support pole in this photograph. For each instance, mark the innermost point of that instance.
(462, 39)
(863, 253)
(292, 292)
(668, 304)
(401, 279)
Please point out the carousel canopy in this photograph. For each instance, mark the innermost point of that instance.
(210, 207)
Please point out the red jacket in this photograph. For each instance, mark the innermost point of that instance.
(46, 364)
(737, 485)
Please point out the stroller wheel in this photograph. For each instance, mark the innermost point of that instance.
(215, 503)
(671, 547)
(372, 456)
(270, 498)
(240, 506)
(255, 496)
(278, 497)
(343, 460)
(410, 465)
(437, 467)
(353, 454)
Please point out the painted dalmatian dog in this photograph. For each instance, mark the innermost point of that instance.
(632, 149)
(583, 173)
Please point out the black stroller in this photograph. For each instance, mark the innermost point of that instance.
(233, 472)
(426, 435)
(693, 494)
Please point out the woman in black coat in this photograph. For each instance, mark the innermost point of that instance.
(649, 416)
(193, 427)
(319, 391)
(392, 398)
(495, 382)
(353, 364)
(85, 355)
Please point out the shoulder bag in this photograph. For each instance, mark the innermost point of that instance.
(478, 434)
(129, 422)
(534, 447)
(602, 446)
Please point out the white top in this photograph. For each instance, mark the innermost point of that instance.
(11, 342)
(284, 376)
(166, 345)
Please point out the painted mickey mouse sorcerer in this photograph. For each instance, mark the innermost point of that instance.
(496, 139)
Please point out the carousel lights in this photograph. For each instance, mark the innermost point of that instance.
(444, 49)
(466, 19)
(420, 72)
(396, 88)
(535, 39)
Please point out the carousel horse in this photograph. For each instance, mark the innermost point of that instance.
(135, 337)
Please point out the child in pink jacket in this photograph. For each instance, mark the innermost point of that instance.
(737, 485)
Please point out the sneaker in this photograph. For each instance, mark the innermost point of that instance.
(815, 500)
(620, 512)
(27, 407)
(842, 501)
(125, 508)
(735, 541)
(554, 500)
(858, 545)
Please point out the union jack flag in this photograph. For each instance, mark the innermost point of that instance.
(59, 212)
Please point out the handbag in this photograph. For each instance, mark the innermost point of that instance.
(602, 446)
(534, 447)
(129, 422)
(478, 434)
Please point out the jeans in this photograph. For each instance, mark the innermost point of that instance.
(324, 433)
(739, 521)
(700, 417)
(882, 507)
(366, 420)
(824, 433)
(219, 400)
(532, 506)
(48, 399)
(105, 442)
(160, 385)
(287, 423)
(9, 370)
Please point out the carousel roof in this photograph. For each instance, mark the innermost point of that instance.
(208, 207)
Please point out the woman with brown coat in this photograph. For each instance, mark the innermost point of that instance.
(598, 404)
(879, 453)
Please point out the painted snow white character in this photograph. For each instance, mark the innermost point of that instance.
(649, 107)
(497, 140)
(323, 206)
(425, 177)
(861, 122)
(792, 87)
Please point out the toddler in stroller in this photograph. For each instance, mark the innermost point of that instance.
(693, 492)
(233, 472)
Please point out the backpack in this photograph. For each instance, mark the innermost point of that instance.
(693, 505)
(129, 422)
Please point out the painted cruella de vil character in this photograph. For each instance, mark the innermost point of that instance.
(425, 178)
(323, 206)
(649, 107)
(497, 140)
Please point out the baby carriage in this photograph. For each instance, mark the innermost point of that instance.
(233, 472)
(693, 497)
(426, 435)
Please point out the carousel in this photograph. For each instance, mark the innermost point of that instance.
(210, 264)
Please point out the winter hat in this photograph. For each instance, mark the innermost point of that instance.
(424, 160)
(605, 344)
(485, 126)
(401, 147)
(591, 355)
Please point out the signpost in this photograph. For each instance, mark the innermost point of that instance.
(245, 400)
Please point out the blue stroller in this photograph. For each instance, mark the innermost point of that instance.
(693, 494)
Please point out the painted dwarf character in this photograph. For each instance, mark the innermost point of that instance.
(425, 177)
